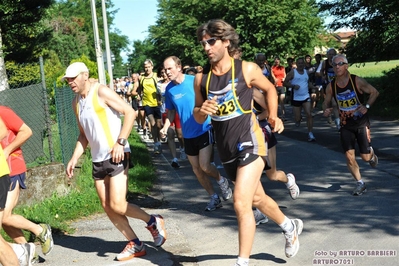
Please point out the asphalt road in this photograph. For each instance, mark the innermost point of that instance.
(339, 229)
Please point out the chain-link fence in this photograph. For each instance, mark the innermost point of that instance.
(67, 123)
(28, 99)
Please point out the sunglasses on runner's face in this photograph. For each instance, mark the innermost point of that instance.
(210, 41)
(339, 64)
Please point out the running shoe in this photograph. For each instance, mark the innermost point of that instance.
(46, 239)
(131, 250)
(374, 161)
(28, 252)
(292, 239)
(360, 189)
(260, 218)
(157, 230)
(145, 136)
(311, 137)
(294, 189)
(183, 154)
(226, 190)
(241, 264)
(213, 204)
(175, 164)
(36, 258)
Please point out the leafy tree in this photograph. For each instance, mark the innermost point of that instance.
(377, 25)
(22, 34)
(22, 75)
(276, 27)
(142, 51)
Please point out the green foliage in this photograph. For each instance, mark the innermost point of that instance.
(142, 50)
(387, 103)
(376, 23)
(284, 27)
(22, 75)
(72, 30)
(21, 32)
(52, 69)
(68, 39)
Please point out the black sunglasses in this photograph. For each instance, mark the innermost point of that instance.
(339, 64)
(210, 41)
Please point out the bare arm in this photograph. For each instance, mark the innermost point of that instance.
(3, 129)
(322, 70)
(203, 107)
(288, 79)
(80, 146)
(23, 134)
(327, 101)
(169, 120)
(366, 87)
(273, 76)
(112, 100)
(255, 78)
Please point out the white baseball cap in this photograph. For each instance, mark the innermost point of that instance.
(75, 69)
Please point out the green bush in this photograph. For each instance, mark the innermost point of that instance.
(387, 102)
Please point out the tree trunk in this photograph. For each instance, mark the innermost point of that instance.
(3, 74)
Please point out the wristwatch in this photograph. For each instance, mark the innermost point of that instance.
(368, 106)
(122, 141)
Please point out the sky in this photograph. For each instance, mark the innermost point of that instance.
(134, 17)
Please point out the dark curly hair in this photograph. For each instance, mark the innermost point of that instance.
(220, 29)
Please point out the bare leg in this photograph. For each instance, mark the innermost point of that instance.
(112, 194)
(309, 119)
(249, 191)
(352, 164)
(13, 223)
(142, 119)
(171, 141)
(203, 179)
(7, 255)
(281, 99)
(273, 174)
(297, 113)
(313, 97)
(205, 163)
(179, 135)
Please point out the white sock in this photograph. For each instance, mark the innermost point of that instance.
(242, 261)
(287, 225)
(360, 181)
(175, 159)
(215, 195)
